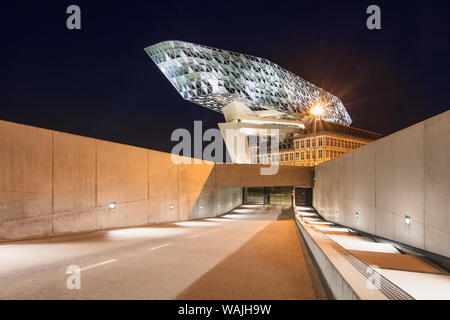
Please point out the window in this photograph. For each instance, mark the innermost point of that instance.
(320, 154)
(291, 156)
(327, 141)
(328, 153)
(303, 155)
(296, 156)
(339, 143)
(296, 144)
(335, 142)
(281, 157)
(302, 143)
(307, 143)
(273, 157)
(308, 155)
(320, 141)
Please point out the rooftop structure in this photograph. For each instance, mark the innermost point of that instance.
(214, 78)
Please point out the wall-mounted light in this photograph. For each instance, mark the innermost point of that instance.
(356, 215)
(201, 207)
(408, 220)
(112, 205)
(218, 206)
(171, 206)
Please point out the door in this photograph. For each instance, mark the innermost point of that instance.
(303, 196)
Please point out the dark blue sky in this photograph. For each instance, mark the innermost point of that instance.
(99, 82)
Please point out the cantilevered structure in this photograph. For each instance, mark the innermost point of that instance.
(214, 78)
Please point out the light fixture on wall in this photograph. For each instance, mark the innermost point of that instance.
(408, 220)
(171, 206)
(201, 207)
(218, 206)
(112, 205)
(356, 215)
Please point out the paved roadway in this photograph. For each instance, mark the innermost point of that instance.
(250, 253)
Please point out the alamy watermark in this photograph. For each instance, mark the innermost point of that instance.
(74, 280)
(244, 145)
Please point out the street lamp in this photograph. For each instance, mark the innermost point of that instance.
(316, 111)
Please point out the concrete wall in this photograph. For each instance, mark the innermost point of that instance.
(249, 175)
(55, 183)
(406, 173)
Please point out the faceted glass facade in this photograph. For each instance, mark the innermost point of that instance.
(214, 78)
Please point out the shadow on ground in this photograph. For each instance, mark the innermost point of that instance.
(273, 264)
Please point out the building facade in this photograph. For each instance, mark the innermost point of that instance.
(214, 78)
(329, 141)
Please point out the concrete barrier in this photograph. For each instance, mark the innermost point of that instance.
(404, 174)
(55, 183)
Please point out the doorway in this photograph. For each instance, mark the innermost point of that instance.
(303, 196)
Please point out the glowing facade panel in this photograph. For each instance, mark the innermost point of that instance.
(214, 78)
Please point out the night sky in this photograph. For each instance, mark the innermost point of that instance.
(99, 82)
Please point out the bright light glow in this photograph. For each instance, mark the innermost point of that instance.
(311, 219)
(421, 286)
(303, 208)
(362, 244)
(357, 215)
(408, 220)
(172, 206)
(321, 222)
(307, 214)
(139, 233)
(316, 110)
(245, 211)
(196, 224)
(323, 228)
(112, 205)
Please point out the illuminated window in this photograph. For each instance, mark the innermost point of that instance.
(327, 141)
(291, 156)
(327, 153)
(296, 144)
(302, 143)
(320, 141)
(303, 156)
(320, 154)
(307, 143)
(296, 156)
(281, 157)
(308, 155)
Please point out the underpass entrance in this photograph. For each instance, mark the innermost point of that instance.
(278, 196)
(303, 196)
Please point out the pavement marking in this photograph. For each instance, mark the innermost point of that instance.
(94, 265)
(194, 236)
(160, 246)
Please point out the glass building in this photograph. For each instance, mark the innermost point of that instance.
(214, 78)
